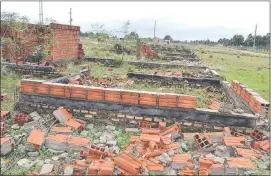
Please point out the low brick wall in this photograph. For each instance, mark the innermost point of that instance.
(174, 79)
(28, 67)
(182, 57)
(175, 107)
(108, 95)
(144, 64)
(110, 111)
(236, 100)
(251, 98)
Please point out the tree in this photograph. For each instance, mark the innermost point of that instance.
(36, 55)
(266, 40)
(125, 30)
(259, 41)
(237, 40)
(132, 36)
(168, 37)
(12, 23)
(249, 40)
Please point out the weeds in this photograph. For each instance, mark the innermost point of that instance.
(262, 167)
(122, 138)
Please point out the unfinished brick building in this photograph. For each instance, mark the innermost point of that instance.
(63, 43)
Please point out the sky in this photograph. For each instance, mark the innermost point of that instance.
(181, 20)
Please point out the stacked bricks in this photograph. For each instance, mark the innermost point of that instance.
(108, 94)
(67, 42)
(80, 50)
(66, 37)
(145, 50)
(20, 119)
(251, 98)
(2, 130)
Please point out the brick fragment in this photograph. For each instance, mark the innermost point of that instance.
(21, 119)
(247, 153)
(5, 115)
(256, 135)
(264, 145)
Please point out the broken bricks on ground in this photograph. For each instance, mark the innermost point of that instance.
(162, 150)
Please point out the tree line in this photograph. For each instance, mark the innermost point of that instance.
(239, 40)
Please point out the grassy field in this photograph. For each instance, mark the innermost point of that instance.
(247, 67)
(103, 50)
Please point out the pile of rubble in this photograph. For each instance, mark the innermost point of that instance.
(162, 150)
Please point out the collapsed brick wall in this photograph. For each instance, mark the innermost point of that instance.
(108, 95)
(145, 50)
(65, 42)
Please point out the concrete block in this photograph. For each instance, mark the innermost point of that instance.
(35, 116)
(217, 169)
(111, 142)
(222, 151)
(7, 145)
(132, 130)
(59, 116)
(46, 169)
(30, 126)
(110, 127)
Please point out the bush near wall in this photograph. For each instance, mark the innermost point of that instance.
(65, 44)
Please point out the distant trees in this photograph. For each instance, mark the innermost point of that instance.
(238, 40)
(249, 40)
(131, 36)
(168, 37)
(86, 34)
(224, 41)
(203, 42)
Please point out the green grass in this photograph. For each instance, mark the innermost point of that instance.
(117, 78)
(252, 69)
(103, 50)
(10, 81)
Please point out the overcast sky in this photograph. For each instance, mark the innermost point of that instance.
(181, 20)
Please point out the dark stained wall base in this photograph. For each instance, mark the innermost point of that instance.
(174, 79)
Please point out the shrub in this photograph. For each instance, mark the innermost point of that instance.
(210, 56)
(36, 55)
